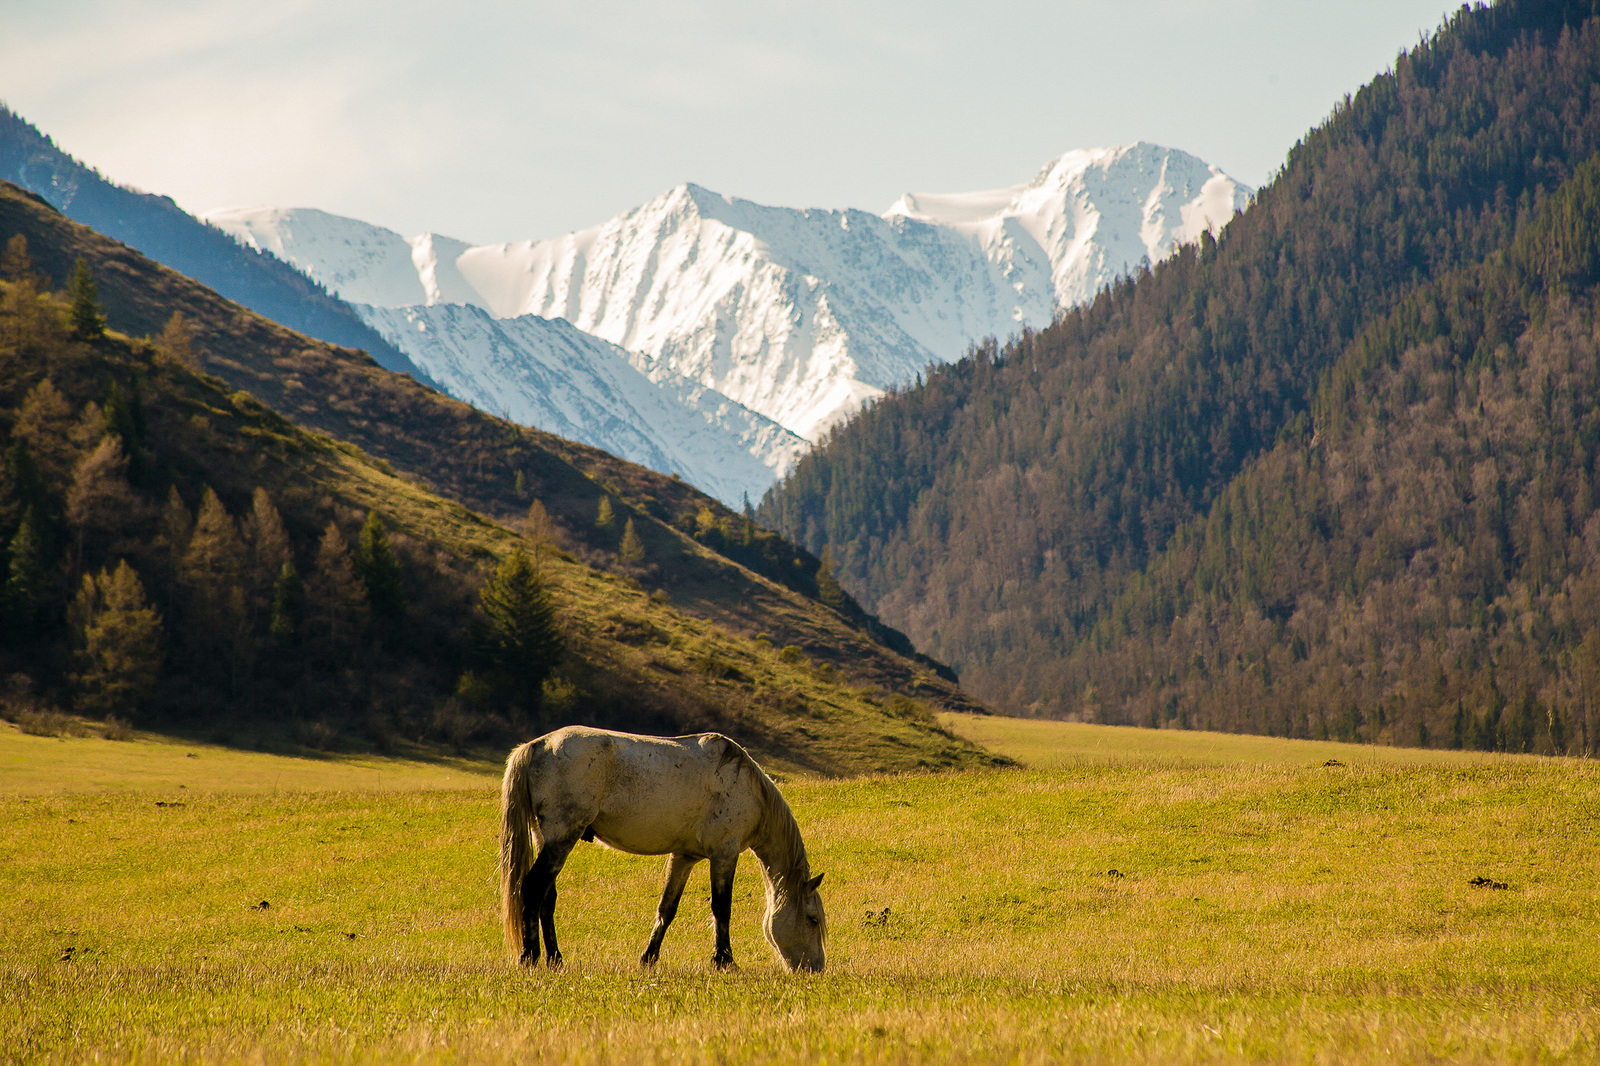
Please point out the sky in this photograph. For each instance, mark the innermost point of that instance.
(496, 120)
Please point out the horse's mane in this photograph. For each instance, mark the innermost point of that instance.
(784, 855)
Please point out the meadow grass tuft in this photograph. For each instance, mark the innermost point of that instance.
(1137, 908)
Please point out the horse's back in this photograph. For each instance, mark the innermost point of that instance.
(649, 795)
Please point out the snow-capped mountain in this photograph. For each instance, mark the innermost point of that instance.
(799, 315)
(546, 373)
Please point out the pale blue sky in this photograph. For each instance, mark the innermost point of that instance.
(510, 119)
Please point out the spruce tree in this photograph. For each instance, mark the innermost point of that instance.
(519, 639)
(26, 579)
(27, 487)
(124, 417)
(84, 314)
(379, 571)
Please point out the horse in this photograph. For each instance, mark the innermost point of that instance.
(691, 798)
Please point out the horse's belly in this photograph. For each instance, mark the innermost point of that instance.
(646, 832)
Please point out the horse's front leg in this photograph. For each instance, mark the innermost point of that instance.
(678, 867)
(722, 909)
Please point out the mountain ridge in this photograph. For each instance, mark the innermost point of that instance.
(801, 315)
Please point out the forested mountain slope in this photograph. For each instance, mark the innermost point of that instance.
(1003, 510)
(1419, 561)
(685, 657)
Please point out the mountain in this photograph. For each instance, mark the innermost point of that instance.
(799, 315)
(536, 371)
(163, 231)
(546, 373)
(1289, 479)
(286, 585)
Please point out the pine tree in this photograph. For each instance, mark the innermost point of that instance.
(120, 643)
(26, 579)
(379, 571)
(269, 549)
(26, 486)
(828, 588)
(16, 265)
(211, 574)
(45, 423)
(336, 600)
(540, 530)
(604, 518)
(87, 319)
(631, 551)
(177, 342)
(124, 417)
(519, 640)
(99, 502)
(288, 606)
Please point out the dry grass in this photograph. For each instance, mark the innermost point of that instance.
(1127, 910)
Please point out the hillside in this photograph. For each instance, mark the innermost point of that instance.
(120, 449)
(1416, 562)
(166, 233)
(1014, 512)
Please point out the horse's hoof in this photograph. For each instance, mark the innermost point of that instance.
(725, 965)
(529, 959)
(554, 961)
(647, 961)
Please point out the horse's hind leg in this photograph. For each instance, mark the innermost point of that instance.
(722, 909)
(678, 867)
(539, 901)
(547, 922)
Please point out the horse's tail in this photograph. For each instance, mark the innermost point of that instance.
(517, 826)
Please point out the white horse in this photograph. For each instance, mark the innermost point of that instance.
(695, 797)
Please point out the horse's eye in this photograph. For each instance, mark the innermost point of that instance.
(812, 918)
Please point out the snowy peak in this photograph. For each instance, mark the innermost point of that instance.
(365, 264)
(798, 315)
(1094, 214)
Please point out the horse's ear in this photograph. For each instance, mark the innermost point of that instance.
(811, 885)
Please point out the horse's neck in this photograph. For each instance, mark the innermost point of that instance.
(782, 853)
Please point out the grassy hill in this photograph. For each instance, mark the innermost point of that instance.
(205, 492)
(1259, 907)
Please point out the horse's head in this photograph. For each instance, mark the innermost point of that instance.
(798, 926)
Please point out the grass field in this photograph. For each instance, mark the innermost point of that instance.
(1124, 899)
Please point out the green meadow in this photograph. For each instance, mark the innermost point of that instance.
(1125, 896)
